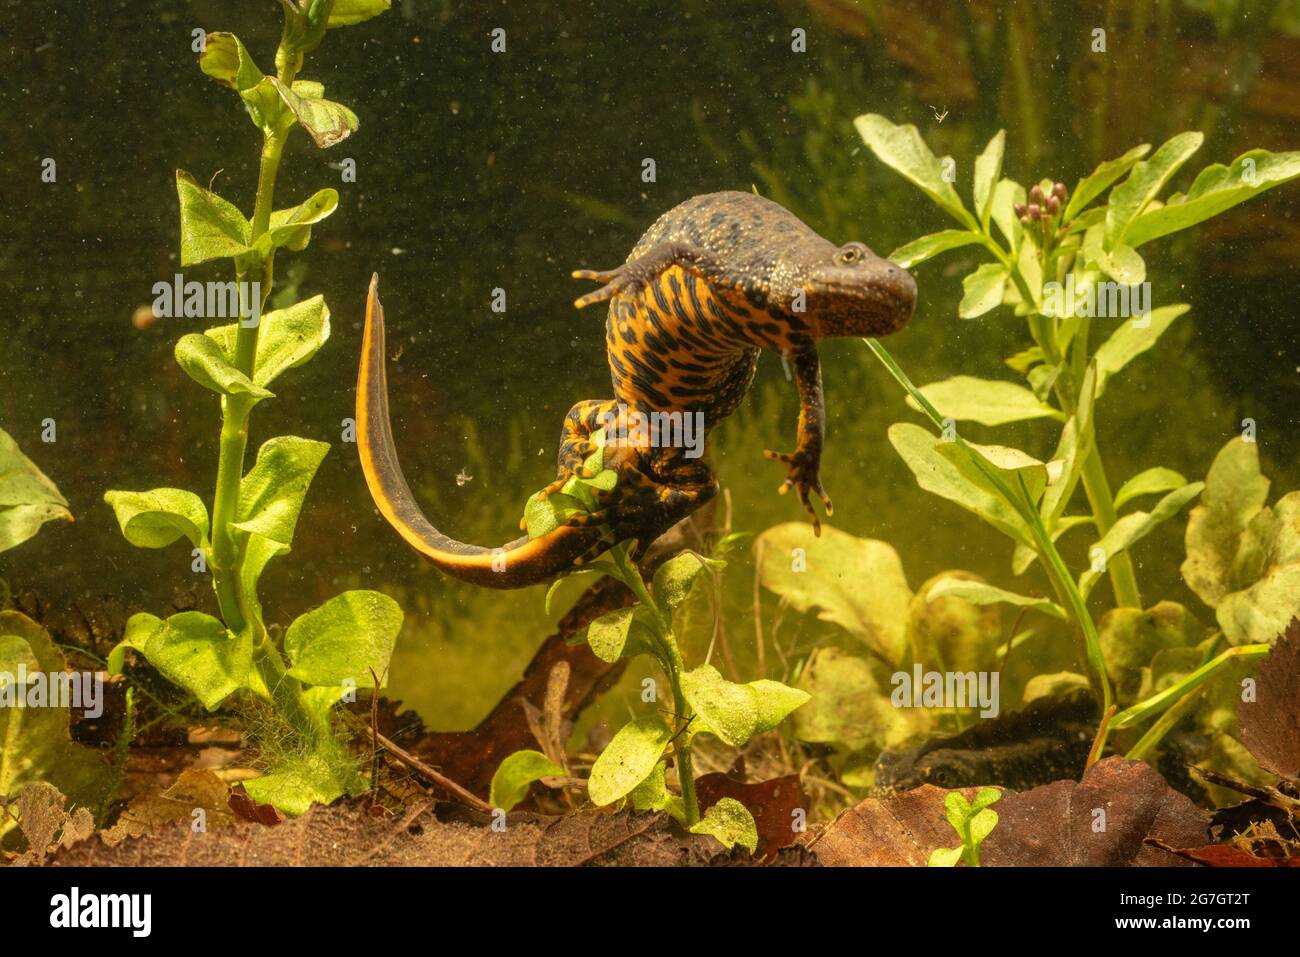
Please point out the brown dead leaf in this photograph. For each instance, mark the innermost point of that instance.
(772, 803)
(193, 791)
(897, 831)
(1224, 855)
(45, 823)
(246, 809)
(1057, 824)
(1270, 725)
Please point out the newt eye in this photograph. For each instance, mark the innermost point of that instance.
(849, 254)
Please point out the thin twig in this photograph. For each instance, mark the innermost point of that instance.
(444, 782)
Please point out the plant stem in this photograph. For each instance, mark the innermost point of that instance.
(1097, 488)
(671, 660)
(226, 558)
(286, 691)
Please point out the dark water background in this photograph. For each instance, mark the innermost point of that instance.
(478, 170)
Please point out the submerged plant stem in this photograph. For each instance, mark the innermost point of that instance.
(226, 558)
(671, 659)
(1097, 488)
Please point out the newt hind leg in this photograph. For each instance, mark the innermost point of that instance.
(583, 419)
(651, 497)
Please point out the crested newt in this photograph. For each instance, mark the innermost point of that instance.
(1047, 740)
(713, 282)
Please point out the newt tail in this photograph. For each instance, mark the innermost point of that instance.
(516, 564)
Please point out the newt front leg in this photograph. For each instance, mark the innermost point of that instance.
(805, 460)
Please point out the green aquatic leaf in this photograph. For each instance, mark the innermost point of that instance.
(36, 741)
(1131, 637)
(927, 247)
(196, 652)
(211, 227)
(328, 123)
(674, 578)
(1072, 450)
(272, 493)
(205, 363)
(1150, 482)
(1131, 338)
(1216, 189)
(902, 149)
(541, 517)
(966, 398)
(1120, 261)
(1260, 613)
(731, 823)
(1019, 471)
(620, 634)
(139, 629)
(628, 759)
(28, 499)
(16, 655)
(1003, 212)
(319, 775)
(159, 517)
(516, 774)
(1148, 177)
(305, 23)
(652, 794)
(348, 12)
(775, 702)
(344, 639)
(1097, 182)
(948, 630)
(258, 552)
(226, 60)
(988, 169)
(956, 479)
(849, 705)
(736, 712)
(982, 593)
(724, 708)
(265, 108)
(1054, 685)
(291, 228)
(1235, 493)
(983, 290)
(286, 338)
(1134, 527)
(945, 857)
(825, 574)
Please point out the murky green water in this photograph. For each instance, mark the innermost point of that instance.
(478, 170)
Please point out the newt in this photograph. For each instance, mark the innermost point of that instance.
(1047, 740)
(716, 280)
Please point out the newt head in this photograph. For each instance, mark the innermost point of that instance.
(847, 290)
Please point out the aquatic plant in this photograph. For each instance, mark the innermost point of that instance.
(633, 765)
(345, 643)
(28, 499)
(1063, 259)
(973, 821)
